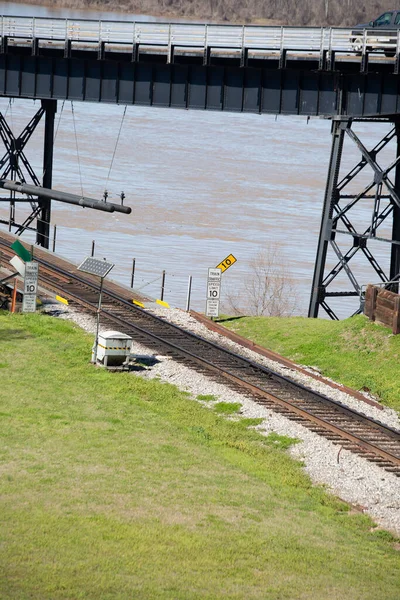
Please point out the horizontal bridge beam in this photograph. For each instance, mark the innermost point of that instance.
(249, 89)
(254, 90)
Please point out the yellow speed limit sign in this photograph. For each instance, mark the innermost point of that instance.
(226, 263)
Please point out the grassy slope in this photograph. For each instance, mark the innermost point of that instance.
(355, 352)
(113, 487)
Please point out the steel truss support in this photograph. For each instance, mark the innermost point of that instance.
(14, 165)
(383, 198)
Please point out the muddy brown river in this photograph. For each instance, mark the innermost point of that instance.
(201, 185)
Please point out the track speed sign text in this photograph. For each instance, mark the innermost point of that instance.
(213, 292)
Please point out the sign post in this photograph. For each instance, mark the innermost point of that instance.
(213, 292)
(100, 268)
(30, 286)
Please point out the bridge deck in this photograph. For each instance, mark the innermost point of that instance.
(325, 45)
(288, 70)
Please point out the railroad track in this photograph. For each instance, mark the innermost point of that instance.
(354, 431)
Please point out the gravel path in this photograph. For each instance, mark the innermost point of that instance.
(368, 487)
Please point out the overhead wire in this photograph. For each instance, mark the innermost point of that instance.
(77, 149)
(115, 150)
(54, 139)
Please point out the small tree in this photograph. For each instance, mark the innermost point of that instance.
(268, 289)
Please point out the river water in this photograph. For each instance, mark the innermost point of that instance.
(201, 185)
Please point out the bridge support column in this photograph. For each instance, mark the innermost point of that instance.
(395, 252)
(43, 219)
(14, 165)
(325, 234)
(351, 220)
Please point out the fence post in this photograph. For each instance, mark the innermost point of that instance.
(162, 285)
(396, 316)
(133, 271)
(93, 245)
(371, 294)
(54, 237)
(188, 293)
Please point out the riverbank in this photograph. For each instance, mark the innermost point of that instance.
(355, 352)
(153, 9)
(231, 11)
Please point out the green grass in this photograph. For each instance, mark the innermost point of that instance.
(355, 351)
(227, 408)
(206, 398)
(116, 487)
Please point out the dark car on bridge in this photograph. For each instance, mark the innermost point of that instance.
(380, 34)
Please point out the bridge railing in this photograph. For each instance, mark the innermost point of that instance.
(202, 36)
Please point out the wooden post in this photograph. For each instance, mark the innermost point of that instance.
(370, 301)
(14, 296)
(396, 316)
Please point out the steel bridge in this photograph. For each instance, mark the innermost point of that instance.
(255, 69)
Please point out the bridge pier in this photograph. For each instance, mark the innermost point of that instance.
(342, 234)
(395, 251)
(43, 220)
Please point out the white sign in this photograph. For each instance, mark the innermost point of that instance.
(214, 273)
(213, 289)
(213, 292)
(30, 286)
(212, 309)
(18, 265)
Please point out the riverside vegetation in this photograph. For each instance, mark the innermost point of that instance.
(117, 487)
(285, 12)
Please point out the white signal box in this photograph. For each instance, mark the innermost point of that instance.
(113, 348)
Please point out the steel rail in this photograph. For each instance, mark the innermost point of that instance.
(367, 446)
(359, 442)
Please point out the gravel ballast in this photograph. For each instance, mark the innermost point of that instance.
(352, 478)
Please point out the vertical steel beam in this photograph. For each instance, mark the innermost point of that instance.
(395, 251)
(43, 219)
(318, 290)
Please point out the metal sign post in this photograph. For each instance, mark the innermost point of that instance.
(213, 292)
(100, 268)
(30, 286)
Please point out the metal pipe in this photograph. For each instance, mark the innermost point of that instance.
(35, 190)
(96, 341)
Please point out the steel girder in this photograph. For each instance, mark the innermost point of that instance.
(14, 165)
(339, 217)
